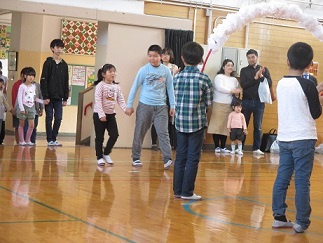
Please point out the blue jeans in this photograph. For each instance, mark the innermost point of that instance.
(295, 156)
(188, 153)
(256, 108)
(53, 109)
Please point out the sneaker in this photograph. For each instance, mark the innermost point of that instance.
(217, 150)
(168, 164)
(51, 143)
(298, 228)
(280, 221)
(101, 162)
(232, 152)
(240, 152)
(225, 150)
(22, 143)
(137, 163)
(108, 159)
(258, 151)
(237, 150)
(30, 144)
(154, 147)
(193, 197)
(56, 143)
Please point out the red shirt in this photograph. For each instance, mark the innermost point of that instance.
(14, 91)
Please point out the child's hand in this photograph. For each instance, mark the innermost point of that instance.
(245, 131)
(171, 111)
(103, 119)
(23, 112)
(229, 130)
(14, 112)
(129, 111)
(40, 113)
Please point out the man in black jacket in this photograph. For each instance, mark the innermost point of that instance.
(55, 89)
(250, 78)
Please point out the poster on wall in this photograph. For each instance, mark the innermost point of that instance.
(79, 75)
(4, 41)
(90, 76)
(79, 37)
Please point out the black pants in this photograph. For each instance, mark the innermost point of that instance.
(217, 138)
(111, 126)
(2, 132)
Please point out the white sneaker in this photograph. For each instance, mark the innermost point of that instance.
(282, 224)
(136, 163)
(56, 143)
(225, 150)
(22, 143)
(193, 197)
(30, 144)
(101, 162)
(168, 164)
(217, 150)
(240, 152)
(298, 228)
(108, 159)
(258, 151)
(232, 152)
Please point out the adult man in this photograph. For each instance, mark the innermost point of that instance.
(250, 78)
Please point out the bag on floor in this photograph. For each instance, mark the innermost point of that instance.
(274, 148)
(267, 140)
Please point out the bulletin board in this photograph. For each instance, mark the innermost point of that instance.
(80, 77)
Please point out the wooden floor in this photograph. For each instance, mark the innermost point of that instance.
(59, 195)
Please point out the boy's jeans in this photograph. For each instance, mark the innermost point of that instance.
(295, 156)
(188, 154)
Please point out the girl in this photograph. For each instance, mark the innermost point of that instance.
(26, 106)
(107, 93)
(168, 59)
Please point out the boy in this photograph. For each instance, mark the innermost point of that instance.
(237, 127)
(154, 79)
(298, 107)
(54, 88)
(193, 95)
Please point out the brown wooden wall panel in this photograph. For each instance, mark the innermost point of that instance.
(271, 40)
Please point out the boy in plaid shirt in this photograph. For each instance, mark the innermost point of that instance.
(193, 94)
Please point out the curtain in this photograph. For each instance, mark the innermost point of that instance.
(175, 39)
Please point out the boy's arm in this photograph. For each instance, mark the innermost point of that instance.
(170, 89)
(44, 80)
(134, 88)
(312, 95)
(66, 85)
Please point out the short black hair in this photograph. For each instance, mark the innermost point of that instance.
(57, 42)
(252, 51)
(300, 55)
(155, 48)
(1, 80)
(236, 103)
(192, 53)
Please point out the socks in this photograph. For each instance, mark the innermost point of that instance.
(233, 146)
(28, 134)
(240, 147)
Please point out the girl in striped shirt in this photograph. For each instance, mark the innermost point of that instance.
(107, 93)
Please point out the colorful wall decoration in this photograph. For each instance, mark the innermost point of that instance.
(4, 41)
(79, 37)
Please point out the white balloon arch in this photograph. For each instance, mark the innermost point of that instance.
(245, 15)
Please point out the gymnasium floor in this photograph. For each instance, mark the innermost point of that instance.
(59, 195)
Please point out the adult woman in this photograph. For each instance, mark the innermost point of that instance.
(225, 84)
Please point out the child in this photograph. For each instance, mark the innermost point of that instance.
(237, 127)
(297, 137)
(4, 103)
(167, 58)
(54, 88)
(107, 93)
(193, 94)
(155, 79)
(26, 106)
(14, 93)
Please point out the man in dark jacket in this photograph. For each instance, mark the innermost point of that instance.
(55, 89)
